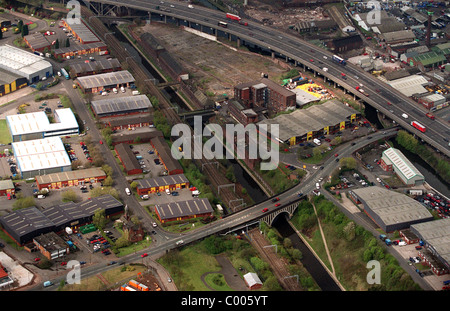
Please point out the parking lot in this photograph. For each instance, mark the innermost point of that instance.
(146, 156)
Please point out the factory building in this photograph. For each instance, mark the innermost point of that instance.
(128, 159)
(164, 153)
(390, 210)
(121, 106)
(393, 160)
(41, 157)
(24, 64)
(26, 224)
(6, 187)
(35, 125)
(161, 184)
(178, 211)
(70, 178)
(105, 81)
(315, 121)
(265, 93)
(436, 253)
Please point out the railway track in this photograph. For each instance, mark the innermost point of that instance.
(213, 175)
(276, 263)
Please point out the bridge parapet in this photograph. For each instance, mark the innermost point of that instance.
(288, 208)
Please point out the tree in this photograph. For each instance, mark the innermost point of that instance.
(69, 196)
(23, 202)
(134, 185)
(24, 30)
(99, 218)
(20, 25)
(108, 182)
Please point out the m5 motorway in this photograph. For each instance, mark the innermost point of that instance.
(242, 218)
(294, 49)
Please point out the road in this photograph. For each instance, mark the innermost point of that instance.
(273, 40)
(230, 223)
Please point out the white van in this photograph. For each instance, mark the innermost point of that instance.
(317, 185)
(136, 93)
(405, 116)
(167, 191)
(122, 89)
(115, 90)
(127, 191)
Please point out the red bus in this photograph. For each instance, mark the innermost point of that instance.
(233, 17)
(418, 126)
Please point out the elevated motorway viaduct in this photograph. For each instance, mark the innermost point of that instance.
(288, 200)
(302, 54)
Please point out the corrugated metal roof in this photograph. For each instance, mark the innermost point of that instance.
(106, 79)
(401, 163)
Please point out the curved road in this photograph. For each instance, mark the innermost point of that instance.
(303, 52)
(249, 215)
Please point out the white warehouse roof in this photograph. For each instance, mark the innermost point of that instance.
(21, 62)
(40, 154)
(36, 122)
(401, 163)
(410, 85)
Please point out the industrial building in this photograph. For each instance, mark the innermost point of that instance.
(132, 137)
(160, 184)
(97, 67)
(315, 121)
(390, 210)
(129, 122)
(41, 157)
(128, 159)
(81, 32)
(265, 93)
(38, 42)
(25, 64)
(51, 245)
(75, 50)
(435, 235)
(105, 81)
(393, 160)
(25, 224)
(35, 125)
(164, 153)
(176, 211)
(70, 178)
(6, 186)
(410, 85)
(121, 106)
(9, 82)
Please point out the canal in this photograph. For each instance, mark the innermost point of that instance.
(309, 260)
(242, 177)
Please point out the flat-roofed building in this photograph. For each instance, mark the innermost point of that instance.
(121, 106)
(393, 159)
(161, 183)
(51, 245)
(178, 211)
(389, 209)
(133, 136)
(35, 125)
(70, 178)
(25, 64)
(105, 81)
(265, 93)
(436, 236)
(41, 157)
(128, 159)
